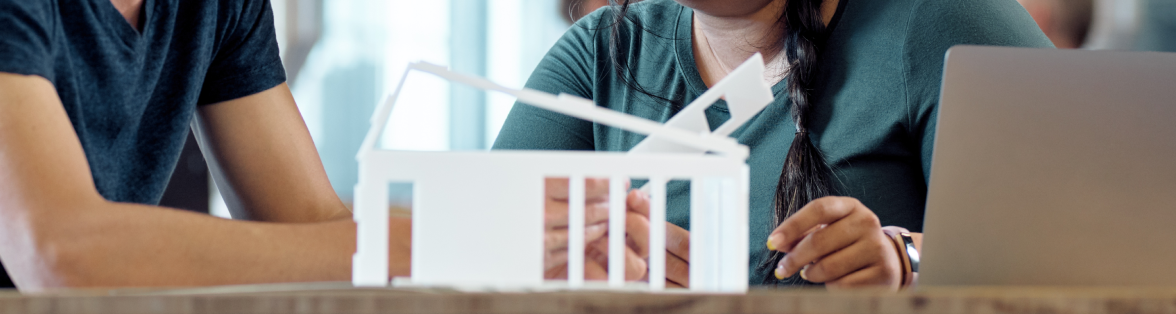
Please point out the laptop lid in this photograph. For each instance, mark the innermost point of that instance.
(1053, 167)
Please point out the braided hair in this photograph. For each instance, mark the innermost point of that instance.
(805, 176)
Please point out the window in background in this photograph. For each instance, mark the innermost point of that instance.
(363, 51)
(360, 48)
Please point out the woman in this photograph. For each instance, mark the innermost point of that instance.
(856, 85)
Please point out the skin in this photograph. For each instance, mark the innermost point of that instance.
(588, 6)
(677, 241)
(556, 210)
(596, 232)
(58, 232)
(130, 10)
(836, 240)
(1042, 12)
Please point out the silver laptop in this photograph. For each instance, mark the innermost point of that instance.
(1053, 167)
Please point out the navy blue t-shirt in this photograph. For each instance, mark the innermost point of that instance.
(130, 94)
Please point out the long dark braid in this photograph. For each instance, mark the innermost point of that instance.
(806, 176)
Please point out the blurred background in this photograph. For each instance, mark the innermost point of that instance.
(343, 56)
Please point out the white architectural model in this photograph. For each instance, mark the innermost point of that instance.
(477, 218)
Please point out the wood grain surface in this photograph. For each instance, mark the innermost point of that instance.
(336, 298)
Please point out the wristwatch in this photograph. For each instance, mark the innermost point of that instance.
(911, 253)
(908, 256)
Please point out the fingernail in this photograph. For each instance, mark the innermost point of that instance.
(802, 275)
(779, 272)
(774, 240)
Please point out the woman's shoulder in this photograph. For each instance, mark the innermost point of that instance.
(928, 28)
(935, 25)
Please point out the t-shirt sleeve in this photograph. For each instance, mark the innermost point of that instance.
(246, 59)
(25, 42)
(937, 25)
(567, 68)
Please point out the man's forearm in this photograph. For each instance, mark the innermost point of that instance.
(124, 245)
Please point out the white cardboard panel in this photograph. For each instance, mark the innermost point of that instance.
(478, 216)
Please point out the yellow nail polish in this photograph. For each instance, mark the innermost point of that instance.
(802, 276)
(770, 246)
(779, 273)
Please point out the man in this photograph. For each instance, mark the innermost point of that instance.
(96, 98)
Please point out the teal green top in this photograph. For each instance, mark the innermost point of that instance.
(875, 96)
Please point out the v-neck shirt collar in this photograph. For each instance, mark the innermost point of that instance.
(116, 23)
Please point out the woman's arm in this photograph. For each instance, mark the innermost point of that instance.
(568, 68)
(56, 230)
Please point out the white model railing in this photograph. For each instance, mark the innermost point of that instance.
(478, 216)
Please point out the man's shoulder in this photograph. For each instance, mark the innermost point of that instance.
(26, 38)
(223, 14)
(40, 7)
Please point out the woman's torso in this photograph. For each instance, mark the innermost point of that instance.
(875, 97)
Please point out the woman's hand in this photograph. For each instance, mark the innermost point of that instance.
(556, 217)
(677, 241)
(555, 258)
(837, 241)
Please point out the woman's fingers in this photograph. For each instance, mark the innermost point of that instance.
(598, 251)
(824, 241)
(595, 189)
(558, 239)
(872, 276)
(556, 243)
(637, 233)
(857, 256)
(822, 211)
(554, 259)
(678, 241)
(556, 272)
(635, 266)
(638, 202)
(594, 271)
(554, 240)
(555, 214)
(594, 232)
(677, 270)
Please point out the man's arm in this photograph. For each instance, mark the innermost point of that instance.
(57, 231)
(264, 160)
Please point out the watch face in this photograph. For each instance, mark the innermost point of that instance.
(912, 253)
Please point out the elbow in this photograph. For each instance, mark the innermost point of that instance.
(37, 270)
(42, 254)
(52, 263)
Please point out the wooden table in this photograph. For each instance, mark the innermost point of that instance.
(336, 298)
